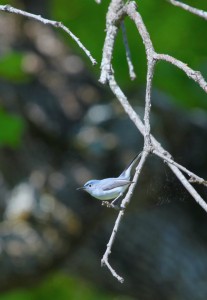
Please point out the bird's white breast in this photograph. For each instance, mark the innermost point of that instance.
(108, 195)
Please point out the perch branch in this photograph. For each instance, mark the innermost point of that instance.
(139, 168)
(10, 9)
(125, 202)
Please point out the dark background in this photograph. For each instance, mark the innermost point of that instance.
(60, 128)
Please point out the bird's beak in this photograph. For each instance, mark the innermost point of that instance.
(80, 188)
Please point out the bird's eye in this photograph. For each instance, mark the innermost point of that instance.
(90, 185)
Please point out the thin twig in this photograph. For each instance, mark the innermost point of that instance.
(193, 10)
(193, 177)
(10, 9)
(150, 72)
(105, 260)
(132, 74)
(192, 74)
(188, 187)
(136, 17)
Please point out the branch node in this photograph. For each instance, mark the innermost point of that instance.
(7, 8)
(103, 262)
(133, 4)
(58, 24)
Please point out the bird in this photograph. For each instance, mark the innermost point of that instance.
(110, 188)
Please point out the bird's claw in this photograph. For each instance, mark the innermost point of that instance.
(111, 205)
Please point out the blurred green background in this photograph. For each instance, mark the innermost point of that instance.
(71, 139)
(61, 286)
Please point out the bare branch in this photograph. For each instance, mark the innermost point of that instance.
(139, 168)
(188, 186)
(193, 177)
(193, 10)
(130, 10)
(117, 11)
(194, 75)
(115, 14)
(10, 9)
(150, 72)
(104, 260)
(156, 147)
(124, 203)
(128, 53)
(150, 52)
(200, 180)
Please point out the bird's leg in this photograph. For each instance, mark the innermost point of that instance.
(115, 203)
(112, 203)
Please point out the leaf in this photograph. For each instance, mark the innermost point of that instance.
(11, 67)
(11, 129)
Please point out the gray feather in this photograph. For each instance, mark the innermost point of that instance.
(127, 172)
(114, 184)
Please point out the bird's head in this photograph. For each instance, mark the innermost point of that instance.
(89, 186)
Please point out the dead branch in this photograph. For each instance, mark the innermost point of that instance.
(116, 12)
(10, 9)
(132, 74)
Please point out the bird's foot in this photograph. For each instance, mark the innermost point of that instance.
(106, 203)
(111, 205)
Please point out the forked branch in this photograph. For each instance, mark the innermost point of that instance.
(116, 13)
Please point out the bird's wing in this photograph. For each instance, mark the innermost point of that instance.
(112, 184)
(126, 173)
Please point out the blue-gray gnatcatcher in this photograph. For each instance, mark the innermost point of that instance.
(110, 188)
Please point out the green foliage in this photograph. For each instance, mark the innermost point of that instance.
(11, 2)
(61, 287)
(11, 67)
(12, 128)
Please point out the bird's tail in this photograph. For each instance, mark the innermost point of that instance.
(127, 172)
